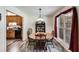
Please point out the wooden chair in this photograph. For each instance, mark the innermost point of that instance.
(50, 41)
(31, 42)
(41, 41)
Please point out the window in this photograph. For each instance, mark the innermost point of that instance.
(64, 22)
(69, 31)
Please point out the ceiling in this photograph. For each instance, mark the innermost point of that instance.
(34, 10)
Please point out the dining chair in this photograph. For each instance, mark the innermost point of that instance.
(50, 41)
(31, 42)
(41, 41)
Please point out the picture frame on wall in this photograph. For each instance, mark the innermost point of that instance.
(0, 16)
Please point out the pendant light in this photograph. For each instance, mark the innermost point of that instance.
(40, 18)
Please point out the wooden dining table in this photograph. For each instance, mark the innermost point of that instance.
(41, 38)
(49, 36)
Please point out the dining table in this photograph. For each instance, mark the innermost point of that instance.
(41, 38)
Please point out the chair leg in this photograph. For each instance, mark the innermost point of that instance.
(45, 49)
(52, 43)
(27, 45)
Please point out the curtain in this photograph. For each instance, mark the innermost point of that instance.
(55, 27)
(74, 32)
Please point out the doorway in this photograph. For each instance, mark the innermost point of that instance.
(14, 28)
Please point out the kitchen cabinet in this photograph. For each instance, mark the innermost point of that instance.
(17, 19)
(14, 34)
(10, 34)
(14, 31)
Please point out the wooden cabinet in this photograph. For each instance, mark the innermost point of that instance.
(17, 19)
(10, 34)
(14, 32)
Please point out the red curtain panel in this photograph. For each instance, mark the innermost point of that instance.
(74, 29)
(74, 32)
(55, 27)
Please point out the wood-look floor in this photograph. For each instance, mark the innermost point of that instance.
(20, 46)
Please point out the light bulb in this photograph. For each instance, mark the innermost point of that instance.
(39, 19)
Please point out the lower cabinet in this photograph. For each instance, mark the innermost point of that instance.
(18, 34)
(14, 34)
(10, 34)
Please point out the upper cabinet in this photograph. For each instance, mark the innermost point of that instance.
(17, 19)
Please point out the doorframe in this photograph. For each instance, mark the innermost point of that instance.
(6, 25)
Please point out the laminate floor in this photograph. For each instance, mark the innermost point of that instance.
(9, 41)
(20, 46)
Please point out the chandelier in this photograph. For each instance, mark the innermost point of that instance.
(40, 18)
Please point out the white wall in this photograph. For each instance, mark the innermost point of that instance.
(48, 21)
(2, 30)
(3, 25)
(49, 24)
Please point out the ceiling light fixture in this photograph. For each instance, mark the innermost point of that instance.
(40, 18)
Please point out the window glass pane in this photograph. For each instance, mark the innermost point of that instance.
(67, 36)
(60, 23)
(61, 33)
(68, 23)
